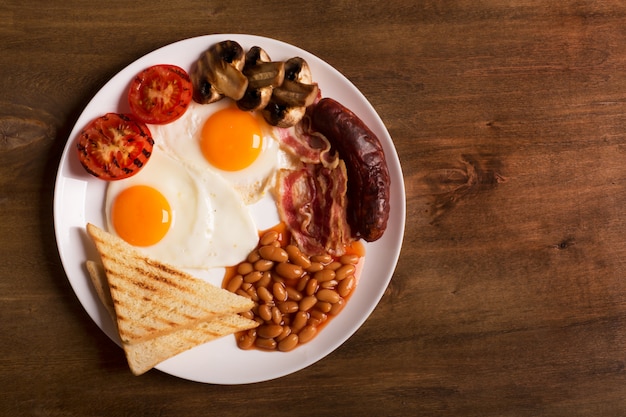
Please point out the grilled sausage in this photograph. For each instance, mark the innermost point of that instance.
(368, 175)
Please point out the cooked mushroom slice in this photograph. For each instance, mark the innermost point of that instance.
(297, 69)
(262, 78)
(226, 60)
(255, 99)
(290, 100)
(203, 91)
(282, 116)
(263, 75)
(295, 94)
(256, 55)
(297, 89)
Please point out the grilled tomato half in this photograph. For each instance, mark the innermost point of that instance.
(160, 94)
(114, 146)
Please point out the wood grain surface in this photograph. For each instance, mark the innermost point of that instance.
(509, 298)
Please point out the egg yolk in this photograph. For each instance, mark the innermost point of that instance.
(231, 139)
(141, 215)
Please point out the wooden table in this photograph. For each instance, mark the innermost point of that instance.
(509, 298)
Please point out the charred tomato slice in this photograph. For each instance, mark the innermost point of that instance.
(160, 94)
(114, 146)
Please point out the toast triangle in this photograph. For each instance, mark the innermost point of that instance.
(152, 298)
(145, 355)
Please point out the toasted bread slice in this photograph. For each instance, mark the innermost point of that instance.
(143, 356)
(99, 281)
(152, 298)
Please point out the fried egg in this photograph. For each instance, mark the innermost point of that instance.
(235, 144)
(181, 216)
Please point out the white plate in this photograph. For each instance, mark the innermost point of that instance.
(79, 198)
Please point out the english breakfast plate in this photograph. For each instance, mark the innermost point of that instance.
(79, 198)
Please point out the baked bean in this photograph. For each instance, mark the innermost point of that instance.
(234, 283)
(312, 286)
(265, 294)
(315, 266)
(253, 294)
(297, 257)
(288, 307)
(265, 312)
(245, 268)
(277, 315)
(283, 334)
(344, 271)
(302, 282)
(314, 321)
(329, 284)
(349, 259)
(299, 321)
(293, 294)
(268, 344)
(328, 295)
(253, 276)
(246, 286)
(337, 307)
(323, 259)
(245, 341)
(268, 237)
(279, 291)
(346, 286)
(323, 306)
(307, 303)
(248, 314)
(265, 280)
(253, 256)
(289, 271)
(324, 275)
(271, 253)
(319, 315)
(269, 331)
(288, 343)
(243, 293)
(307, 333)
(335, 265)
(263, 265)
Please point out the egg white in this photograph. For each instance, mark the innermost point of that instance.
(182, 138)
(211, 226)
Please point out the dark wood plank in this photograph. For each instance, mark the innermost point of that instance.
(509, 298)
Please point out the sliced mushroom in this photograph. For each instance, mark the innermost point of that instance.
(290, 100)
(256, 55)
(204, 92)
(297, 69)
(282, 116)
(263, 75)
(295, 94)
(255, 99)
(226, 61)
(217, 73)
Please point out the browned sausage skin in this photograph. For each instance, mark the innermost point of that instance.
(368, 175)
